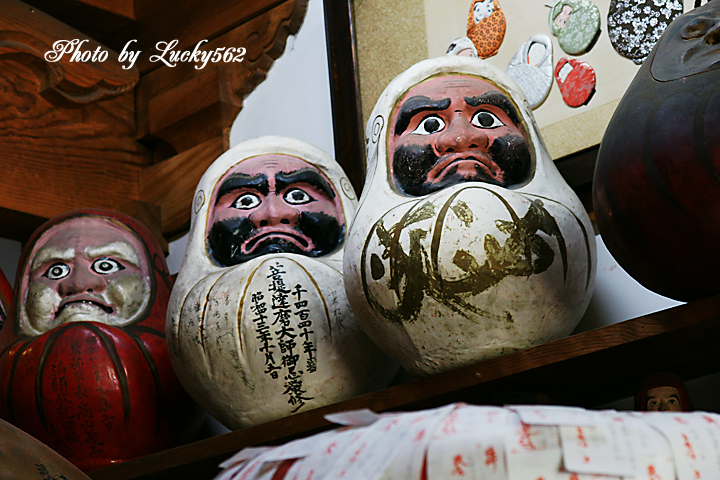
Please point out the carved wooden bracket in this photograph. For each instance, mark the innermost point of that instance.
(28, 36)
(92, 134)
(187, 108)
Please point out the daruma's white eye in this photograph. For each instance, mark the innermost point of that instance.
(57, 271)
(429, 125)
(106, 266)
(297, 196)
(246, 201)
(485, 119)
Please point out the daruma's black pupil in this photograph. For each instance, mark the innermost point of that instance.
(485, 119)
(432, 125)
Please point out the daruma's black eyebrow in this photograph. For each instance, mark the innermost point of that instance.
(495, 99)
(414, 105)
(237, 181)
(306, 175)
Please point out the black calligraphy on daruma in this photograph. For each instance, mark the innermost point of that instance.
(283, 325)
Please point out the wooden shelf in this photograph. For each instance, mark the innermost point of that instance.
(586, 370)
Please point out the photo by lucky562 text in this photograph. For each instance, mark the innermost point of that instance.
(167, 53)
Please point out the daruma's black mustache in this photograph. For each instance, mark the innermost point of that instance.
(411, 165)
(226, 238)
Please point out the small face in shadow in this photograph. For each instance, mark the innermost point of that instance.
(663, 399)
(453, 129)
(482, 9)
(271, 204)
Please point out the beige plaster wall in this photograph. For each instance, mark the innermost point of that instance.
(391, 36)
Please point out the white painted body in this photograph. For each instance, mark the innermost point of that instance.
(444, 238)
(213, 326)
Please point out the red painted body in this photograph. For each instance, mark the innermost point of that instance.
(95, 393)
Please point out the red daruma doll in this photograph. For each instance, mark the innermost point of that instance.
(5, 297)
(83, 361)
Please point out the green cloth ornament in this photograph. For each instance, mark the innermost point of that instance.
(575, 23)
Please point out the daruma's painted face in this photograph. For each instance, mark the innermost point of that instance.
(453, 129)
(271, 204)
(98, 275)
(690, 45)
(482, 9)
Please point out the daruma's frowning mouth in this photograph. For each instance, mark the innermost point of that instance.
(279, 237)
(83, 303)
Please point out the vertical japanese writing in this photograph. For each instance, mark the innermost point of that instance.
(491, 458)
(258, 307)
(303, 315)
(525, 441)
(286, 334)
(689, 447)
(582, 441)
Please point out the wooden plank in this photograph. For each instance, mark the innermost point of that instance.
(586, 369)
(171, 184)
(94, 18)
(57, 159)
(578, 169)
(345, 91)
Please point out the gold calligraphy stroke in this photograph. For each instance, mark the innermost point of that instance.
(415, 275)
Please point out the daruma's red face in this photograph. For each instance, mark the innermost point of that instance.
(454, 129)
(84, 366)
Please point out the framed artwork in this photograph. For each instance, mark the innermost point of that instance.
(385, 38)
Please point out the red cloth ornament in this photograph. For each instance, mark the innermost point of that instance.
(576, 80)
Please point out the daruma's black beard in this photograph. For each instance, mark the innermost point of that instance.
(227, 237)
(412, 164)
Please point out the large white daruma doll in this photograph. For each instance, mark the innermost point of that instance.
(259, 326)
(467, 243)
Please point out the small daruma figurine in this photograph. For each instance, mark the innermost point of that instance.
(83, 360)
(468, 243)
(259, 326)
(662, 392)
(656, 189)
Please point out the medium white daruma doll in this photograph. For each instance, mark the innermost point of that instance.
(259, 326)
(467, 243)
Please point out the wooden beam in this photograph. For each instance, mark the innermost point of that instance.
(187, 22)
(171, 184)
(185, 105)
(344, 91)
